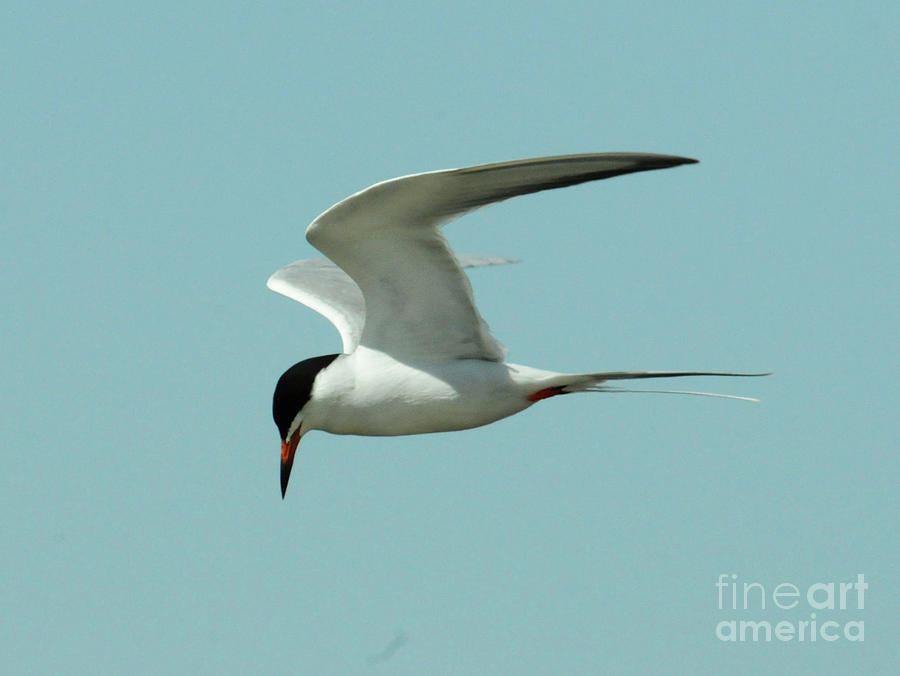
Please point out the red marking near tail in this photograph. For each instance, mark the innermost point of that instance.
(546, 393)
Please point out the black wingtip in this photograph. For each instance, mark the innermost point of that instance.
(667, 161)
(649, 162)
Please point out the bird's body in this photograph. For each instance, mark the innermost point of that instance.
(417, 356)
(371, 393)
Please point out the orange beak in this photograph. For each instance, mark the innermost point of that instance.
(288, 449)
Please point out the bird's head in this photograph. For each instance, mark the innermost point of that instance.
(292, 393)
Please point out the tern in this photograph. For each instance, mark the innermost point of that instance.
(417, 355)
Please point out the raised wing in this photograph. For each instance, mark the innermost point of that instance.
(322, 286)
(419, 304)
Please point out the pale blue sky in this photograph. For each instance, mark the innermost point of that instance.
(159, 162)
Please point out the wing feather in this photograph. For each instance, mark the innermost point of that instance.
(419, 304)
(322, 286)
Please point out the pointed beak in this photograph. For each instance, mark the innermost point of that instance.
(288, 449)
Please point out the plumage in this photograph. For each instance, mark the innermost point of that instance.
(417, 355)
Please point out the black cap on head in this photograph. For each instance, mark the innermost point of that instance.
(293, 390)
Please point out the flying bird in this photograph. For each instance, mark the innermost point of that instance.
(417, 355)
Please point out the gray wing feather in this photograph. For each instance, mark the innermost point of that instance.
(387, 238)
(322, 286)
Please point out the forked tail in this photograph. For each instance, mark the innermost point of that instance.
(596, 382)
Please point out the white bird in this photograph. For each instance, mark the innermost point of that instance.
(417, 356)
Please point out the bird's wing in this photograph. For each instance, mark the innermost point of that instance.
(324, 287)
(419, 304)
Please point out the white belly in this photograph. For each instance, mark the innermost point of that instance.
(372, 394)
